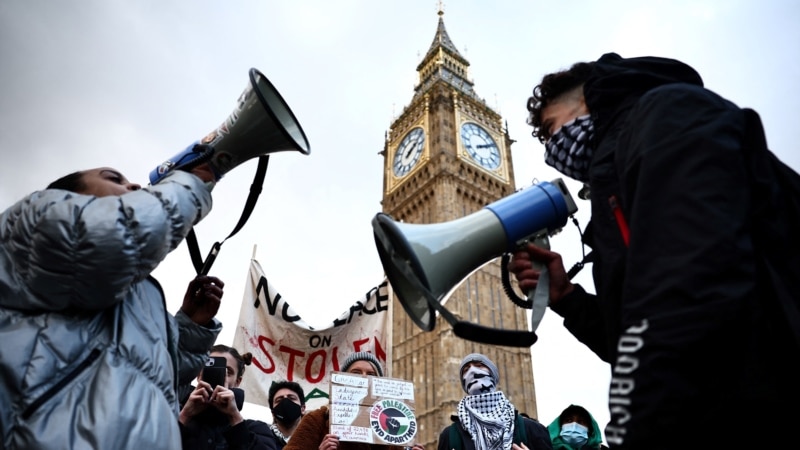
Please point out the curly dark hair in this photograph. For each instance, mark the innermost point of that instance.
(241, 360)
(277, 386)
(553, 86)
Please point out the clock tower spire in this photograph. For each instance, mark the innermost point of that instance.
(448, 155)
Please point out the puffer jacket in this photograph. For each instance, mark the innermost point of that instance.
(90, 353)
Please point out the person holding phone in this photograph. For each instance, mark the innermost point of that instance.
(211, 418)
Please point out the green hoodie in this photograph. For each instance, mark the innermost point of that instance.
(595, 436)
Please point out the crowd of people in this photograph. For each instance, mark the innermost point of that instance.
(688, 310)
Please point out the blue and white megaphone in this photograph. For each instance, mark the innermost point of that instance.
(262, 123)
(425, 263)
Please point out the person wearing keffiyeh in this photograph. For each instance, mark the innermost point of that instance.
(486, 420)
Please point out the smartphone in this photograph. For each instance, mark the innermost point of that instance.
(215, 371)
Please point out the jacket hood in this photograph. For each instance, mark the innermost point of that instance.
(617, 82)
(595, 435)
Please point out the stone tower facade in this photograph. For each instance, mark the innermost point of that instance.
(448, 155)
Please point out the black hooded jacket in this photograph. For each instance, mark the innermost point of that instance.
(681, 311)
(210, 430)
(536, 435)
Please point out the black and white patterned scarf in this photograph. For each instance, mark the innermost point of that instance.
(278, 434)
(489, 419)
(570, 149)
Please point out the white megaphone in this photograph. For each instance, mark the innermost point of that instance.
(262, 123)
(425, 263)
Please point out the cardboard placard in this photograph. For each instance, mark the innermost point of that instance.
(373, 410)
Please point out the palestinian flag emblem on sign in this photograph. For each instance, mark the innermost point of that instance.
(393, 422)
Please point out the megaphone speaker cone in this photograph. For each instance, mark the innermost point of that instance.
(402, 268)
(277, 107)
(425, 263)
(262, 123)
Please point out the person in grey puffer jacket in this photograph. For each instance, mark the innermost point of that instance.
(93, 359)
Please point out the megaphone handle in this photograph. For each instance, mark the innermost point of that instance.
(212, 256)
(540, 298)
(202, 267)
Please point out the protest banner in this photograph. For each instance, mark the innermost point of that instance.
(285, 347)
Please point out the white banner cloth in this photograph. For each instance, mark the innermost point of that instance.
(285, 347)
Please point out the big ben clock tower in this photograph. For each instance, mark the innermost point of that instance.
(446, 156)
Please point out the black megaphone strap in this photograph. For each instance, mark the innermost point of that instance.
(202, 267)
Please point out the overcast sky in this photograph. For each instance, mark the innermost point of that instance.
(128, 84)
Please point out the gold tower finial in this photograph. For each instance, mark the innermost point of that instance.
(441, 8)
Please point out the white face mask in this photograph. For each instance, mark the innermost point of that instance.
(574, 434)
(477, 380)
(570, 150)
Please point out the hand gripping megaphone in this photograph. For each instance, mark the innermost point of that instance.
(261, 123)
(425, 263)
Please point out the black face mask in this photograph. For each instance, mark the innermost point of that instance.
(286, 412)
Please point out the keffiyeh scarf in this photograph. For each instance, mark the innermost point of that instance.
(570, 150)
(278, 433)
(489, 419)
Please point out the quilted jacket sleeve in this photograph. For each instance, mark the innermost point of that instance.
(73, 251)
(194, 342)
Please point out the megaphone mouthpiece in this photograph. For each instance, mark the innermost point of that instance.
(543, 207)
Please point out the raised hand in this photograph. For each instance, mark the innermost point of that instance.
(202, 299)
(197, 402)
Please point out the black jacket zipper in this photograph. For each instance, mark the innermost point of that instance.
(63, 382)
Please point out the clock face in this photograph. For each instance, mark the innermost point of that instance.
(480, 146)
(408, 152)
